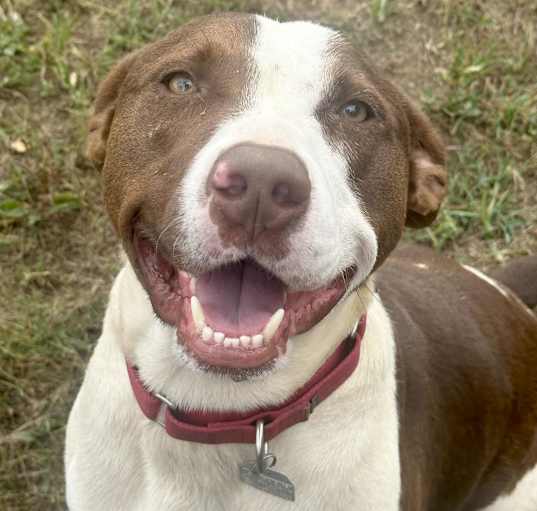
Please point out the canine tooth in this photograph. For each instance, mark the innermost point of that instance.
(273, 324)
(193, 285)
(245, 340)
(235, 342)
(257, 340)
(197, 313)
(219, 337)
(207, 333)
(227, 342)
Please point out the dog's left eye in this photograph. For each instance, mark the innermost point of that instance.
(180, 83)
(357, 110)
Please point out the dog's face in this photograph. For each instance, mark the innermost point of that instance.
(256, 172)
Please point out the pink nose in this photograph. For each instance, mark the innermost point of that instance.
(258, 188)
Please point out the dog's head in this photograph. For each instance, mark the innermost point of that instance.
(256, 172)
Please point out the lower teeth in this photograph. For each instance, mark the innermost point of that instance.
(208, 335)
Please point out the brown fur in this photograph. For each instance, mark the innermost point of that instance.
(396, 158)
(467, 383)
(145, 137)
(520, 276)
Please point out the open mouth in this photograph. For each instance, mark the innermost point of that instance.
(237, 316)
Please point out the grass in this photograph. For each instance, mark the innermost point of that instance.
(471, 64)
(489, 108)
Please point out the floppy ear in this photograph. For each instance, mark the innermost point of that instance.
(427, 184)
(103, 112)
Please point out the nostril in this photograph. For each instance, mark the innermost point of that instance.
(236, 190)
(281, 194)
(228, 183)
(236, 186)
(291, 193)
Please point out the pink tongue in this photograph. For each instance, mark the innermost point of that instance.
(240, 298)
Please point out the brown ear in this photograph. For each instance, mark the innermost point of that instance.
(103, 113)
(427, 184)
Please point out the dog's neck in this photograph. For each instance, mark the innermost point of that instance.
(152, 346)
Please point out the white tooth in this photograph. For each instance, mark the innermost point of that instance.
(197, 313)
(207, 333)
(227, 342)
(257, 340)
(273, 324)
(245, 340)
(219, 337)
(193, 285)
(235, 342)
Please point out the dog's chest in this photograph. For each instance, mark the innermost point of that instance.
(345, 456)
(334, 461)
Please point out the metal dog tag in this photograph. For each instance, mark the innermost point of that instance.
(258, 474)
(268, 481)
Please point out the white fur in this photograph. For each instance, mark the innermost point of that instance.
(345, 457)
(506, 292)
(489, 280)
(290, 74)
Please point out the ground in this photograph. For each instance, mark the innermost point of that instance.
(471, 64)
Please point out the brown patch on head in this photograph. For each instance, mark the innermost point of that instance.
(396, 159)
(145, 135)
(101, 120)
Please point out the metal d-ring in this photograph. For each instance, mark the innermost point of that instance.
(263, 458)
(166, 403)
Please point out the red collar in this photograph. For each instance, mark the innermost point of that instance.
(234, 427)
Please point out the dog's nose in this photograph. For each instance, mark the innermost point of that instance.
(258, 188)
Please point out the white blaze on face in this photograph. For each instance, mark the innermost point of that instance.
(291, 74)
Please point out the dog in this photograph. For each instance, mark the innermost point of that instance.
(266, 345)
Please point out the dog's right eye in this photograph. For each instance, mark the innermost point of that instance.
(357, 111)
(180, 83)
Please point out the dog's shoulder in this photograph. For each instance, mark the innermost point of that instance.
(462, 342)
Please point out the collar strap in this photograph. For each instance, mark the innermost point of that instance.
(233, 427)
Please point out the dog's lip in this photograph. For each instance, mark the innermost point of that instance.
(300, 312)
(219, 355)
(173, 296)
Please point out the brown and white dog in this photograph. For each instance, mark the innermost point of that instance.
(259, 174)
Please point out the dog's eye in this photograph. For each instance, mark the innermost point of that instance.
(180, 83)
(357, 110)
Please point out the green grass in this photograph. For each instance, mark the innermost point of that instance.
(489, 109)
(380, 9)
(470, 63)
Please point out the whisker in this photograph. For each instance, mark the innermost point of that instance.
(170, 223)
(344, 279)
(175, 242)
(373, 294)
(361, 299)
